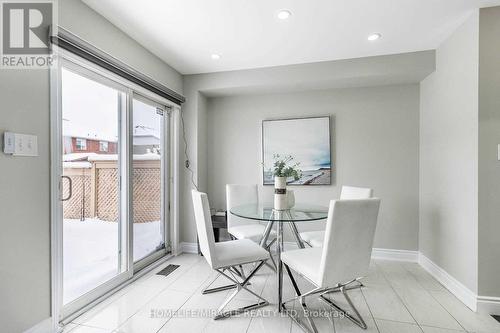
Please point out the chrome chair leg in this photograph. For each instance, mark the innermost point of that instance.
(358, 320)
(311, 328)
(236, 271)
(207, 289)
(240, 286)
(221, 288)
(241, 272)
(348, 286)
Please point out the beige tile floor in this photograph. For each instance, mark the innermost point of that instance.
(398, 297)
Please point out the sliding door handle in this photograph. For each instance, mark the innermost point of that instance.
(70, 194)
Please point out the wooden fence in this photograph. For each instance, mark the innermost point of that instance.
(96, 194)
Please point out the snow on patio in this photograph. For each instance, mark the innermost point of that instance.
(91, 252)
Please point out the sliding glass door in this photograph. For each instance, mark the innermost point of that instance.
(148, 194)
(93, 223)
(113, 190)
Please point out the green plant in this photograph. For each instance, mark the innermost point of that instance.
(283, 167)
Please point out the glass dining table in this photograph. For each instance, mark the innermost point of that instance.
(300, 213)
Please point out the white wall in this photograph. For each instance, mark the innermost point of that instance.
(87, 24)
(489, 166)
(24, 182)
(374, 144)
(448, 156)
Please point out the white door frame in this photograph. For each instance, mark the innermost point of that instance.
(171, 174)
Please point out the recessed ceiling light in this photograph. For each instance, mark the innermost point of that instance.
(284, 14)
(215, 56)
(374, 36)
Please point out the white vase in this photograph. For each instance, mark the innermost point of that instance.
(290, 196)
(280, 198)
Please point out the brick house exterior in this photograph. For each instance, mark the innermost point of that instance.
(83, 145)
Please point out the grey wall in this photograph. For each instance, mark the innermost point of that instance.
(24, 203)
(374, 139)
(400, 69)
(25, 183)
(448, 156)
(489, 166)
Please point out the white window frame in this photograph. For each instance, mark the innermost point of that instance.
(171, 177)
(103, 144)
(81, 144)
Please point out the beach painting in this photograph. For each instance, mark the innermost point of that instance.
(307, 140)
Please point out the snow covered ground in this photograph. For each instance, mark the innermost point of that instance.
(91, 252)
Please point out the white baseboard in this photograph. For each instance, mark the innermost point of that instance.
(186, 247)
(385, 254)
(396, 255)
(464, 294)
(45, 326)
(487, 304)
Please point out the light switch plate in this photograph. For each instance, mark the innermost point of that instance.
(20, 144)
(9, 142)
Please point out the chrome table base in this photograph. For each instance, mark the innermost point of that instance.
(280, 217)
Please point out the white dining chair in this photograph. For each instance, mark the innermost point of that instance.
(315, 238)
(240, 228)
(224, 257)
(344, 258)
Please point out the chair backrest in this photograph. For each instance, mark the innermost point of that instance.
(351, 192)
(236, 195)
(204, 226)
(348, 242)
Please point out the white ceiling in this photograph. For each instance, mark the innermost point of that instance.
(247, 33)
